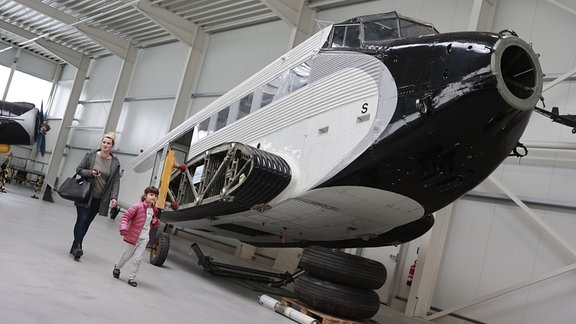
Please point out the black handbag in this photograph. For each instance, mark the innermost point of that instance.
(75, 188)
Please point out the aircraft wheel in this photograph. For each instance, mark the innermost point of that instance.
(344, 268)
(336, 299)
(159, 251)
(573, 130)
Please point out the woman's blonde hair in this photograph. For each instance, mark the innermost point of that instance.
(112, 136)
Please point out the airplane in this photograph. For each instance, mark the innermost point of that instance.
(354, 138)
(21, 123)
(554, 115)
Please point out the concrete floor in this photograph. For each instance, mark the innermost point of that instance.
(41, 282)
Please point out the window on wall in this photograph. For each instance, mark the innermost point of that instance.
(27, 88)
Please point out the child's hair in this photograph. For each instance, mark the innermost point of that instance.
(151, 189)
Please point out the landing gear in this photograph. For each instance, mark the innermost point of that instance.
(336, 299)
(344, 268)
(340, 283)
(159, 249)
(331, 281)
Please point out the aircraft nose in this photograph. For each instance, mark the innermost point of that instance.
(517, 71)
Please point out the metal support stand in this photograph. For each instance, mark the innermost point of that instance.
(227, 270)
(3, 180)
(48, 194)
(37, 185)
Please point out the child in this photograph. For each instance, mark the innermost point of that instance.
(135, 228)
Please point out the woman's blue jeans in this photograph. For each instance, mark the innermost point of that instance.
(84, 217)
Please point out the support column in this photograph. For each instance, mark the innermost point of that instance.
(426, 273)
(124, 79)
(482, 15)
(57, 154)
(189, 78)
(11, 74)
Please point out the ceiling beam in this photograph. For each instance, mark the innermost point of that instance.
(288, 10)
(562, 6)
(297, 14)
(70, 56)
(321, 3)
(181, 28)
(114, 44)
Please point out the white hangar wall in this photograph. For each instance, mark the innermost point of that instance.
(491, 243)
(149, 105)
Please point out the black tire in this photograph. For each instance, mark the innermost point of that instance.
(336, 299)
(159, 250)
(344, 268)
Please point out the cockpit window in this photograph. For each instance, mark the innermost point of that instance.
(366, 33)
(412, 29)
(346, 36)
(383, 29)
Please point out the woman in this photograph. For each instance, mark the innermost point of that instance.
(103, 171)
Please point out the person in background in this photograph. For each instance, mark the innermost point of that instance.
(102, 169)
(135, 229)
(5, 161)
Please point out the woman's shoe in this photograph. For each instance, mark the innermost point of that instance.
(132, 283)
(78, 253)
(116, 273)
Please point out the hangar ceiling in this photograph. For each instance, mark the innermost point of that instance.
(56, 29)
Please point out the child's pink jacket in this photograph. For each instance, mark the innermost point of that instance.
(133, 221)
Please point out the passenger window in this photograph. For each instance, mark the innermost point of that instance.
(266, 99)
(222, 118)
(245, 105)
(269, 91)
(299, 77)
(203, 129)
